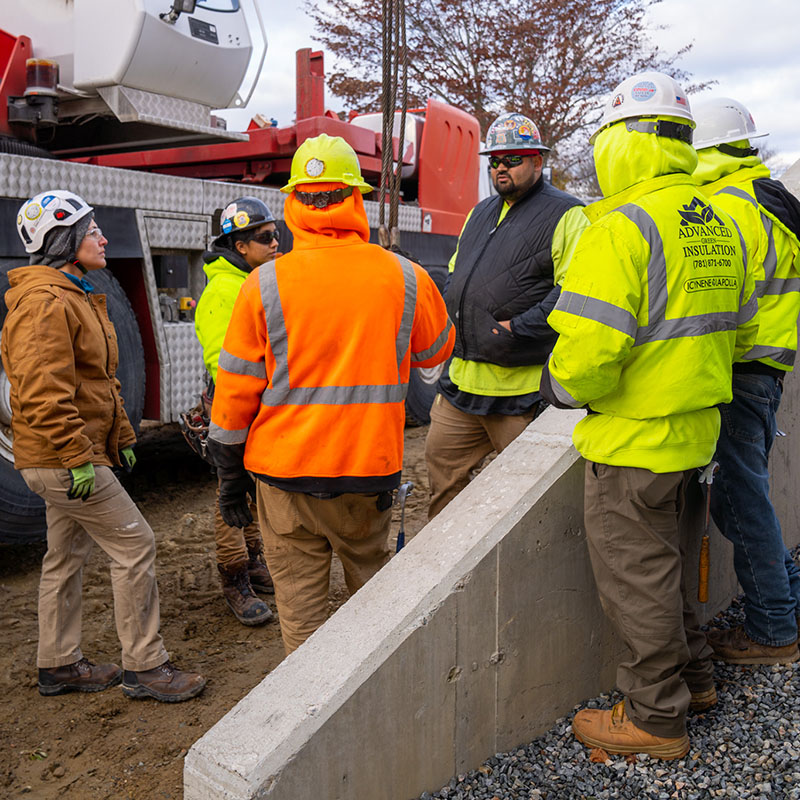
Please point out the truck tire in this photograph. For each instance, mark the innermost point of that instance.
(22, 513)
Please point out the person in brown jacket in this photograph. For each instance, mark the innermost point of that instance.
(59, 350)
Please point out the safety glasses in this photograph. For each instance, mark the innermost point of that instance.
(95, 233)
(266, 237)
(506, 161)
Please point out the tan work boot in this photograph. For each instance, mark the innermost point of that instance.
(615, 733)
(165, 683)
(82, 676)
(260, 579)
(734, 646)
(703, 700)
(240, 597)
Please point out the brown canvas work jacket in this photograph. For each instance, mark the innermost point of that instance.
(60, 353)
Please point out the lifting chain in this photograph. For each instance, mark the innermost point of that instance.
(394, 70)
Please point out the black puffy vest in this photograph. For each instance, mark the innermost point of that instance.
(503, 270)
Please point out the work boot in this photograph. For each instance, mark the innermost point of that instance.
(165, 683)
(703, 700)
(240, 597)
(734, 646)
(615, 733)
(82, 676)
(260, 578)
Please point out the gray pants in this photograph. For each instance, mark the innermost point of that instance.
(638, 550)
(110, 518)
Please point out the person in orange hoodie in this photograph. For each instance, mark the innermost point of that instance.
(311, 385)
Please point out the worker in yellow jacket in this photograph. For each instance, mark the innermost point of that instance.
(311, 388)
(248, 238)
(655, 307)
(732, 174)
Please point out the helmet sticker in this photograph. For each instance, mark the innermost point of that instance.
(618, 101)
(524, 131)
(33, 211)
(500, 138)
(510, 123)
(241, 219)
(681, 101)
(19, 219)
(227, 226)
(60, 214)
(47, 200)
(314, 167)
(643, 91)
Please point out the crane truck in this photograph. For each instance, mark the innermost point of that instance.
(115, 101)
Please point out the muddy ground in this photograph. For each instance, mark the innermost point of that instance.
(104, 745)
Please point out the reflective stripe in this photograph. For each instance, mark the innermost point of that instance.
(282, 393)
(409, 306)
(562, 395)
(227, 437)
(780, 354)
(740, 193)
(699, 325)
(744, 262)
(612, 316)
(771, 258)
(424, 355)
(241, 366)
(656, 267)
(748, 310)
(778, 286)
(336, 395)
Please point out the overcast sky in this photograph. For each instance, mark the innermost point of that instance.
(751, 48)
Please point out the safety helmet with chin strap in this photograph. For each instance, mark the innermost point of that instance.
(56, 208)
(722, 120)
(643, 101)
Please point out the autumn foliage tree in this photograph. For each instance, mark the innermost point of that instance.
(549, 59)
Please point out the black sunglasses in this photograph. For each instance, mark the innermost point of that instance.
(266, 237)
(506, 161)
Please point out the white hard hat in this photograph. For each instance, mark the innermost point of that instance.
(648, 94)
(47, 210)
(721, 120)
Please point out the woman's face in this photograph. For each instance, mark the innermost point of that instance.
(92, 250)
(255, 251)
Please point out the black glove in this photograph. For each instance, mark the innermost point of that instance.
(234, 505)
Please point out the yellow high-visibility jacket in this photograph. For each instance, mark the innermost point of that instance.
(655, 307)
(773, 251)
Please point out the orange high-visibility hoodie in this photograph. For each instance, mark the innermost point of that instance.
(315, 365)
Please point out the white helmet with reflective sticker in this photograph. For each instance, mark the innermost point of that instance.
(54, 209)
(721, 120)
(648, 94)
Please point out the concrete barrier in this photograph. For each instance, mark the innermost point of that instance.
(484, 630)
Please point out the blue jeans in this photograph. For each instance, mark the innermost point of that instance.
(742, 510)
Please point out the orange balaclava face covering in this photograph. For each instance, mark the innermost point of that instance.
(339, 223)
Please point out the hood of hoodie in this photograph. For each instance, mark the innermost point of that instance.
(339, 224)
(231, 256)
(623, 158)
(23, 279)
(713, 164)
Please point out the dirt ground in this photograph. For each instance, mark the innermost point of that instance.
(105, 745)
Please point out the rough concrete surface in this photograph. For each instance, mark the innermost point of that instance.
(484, 630)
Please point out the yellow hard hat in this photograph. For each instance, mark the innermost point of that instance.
(326, 159)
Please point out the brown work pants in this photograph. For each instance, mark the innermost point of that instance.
(110, 518)
(458, 442)
(233, 544)
(300, 533)
(637, 544)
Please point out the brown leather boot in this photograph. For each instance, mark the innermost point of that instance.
(260, 578)
(615, 733)
(165, 683)
(82, 676)
(703, 700)
(239, 595)
(734, 646)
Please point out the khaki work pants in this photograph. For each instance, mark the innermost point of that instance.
(233, 544)
(458, 442)
(110, 518)
(637, 544)
(300, 533)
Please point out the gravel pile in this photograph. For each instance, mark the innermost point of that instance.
(747, 746)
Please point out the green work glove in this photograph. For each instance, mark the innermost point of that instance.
(81, 482)
(128, 458)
